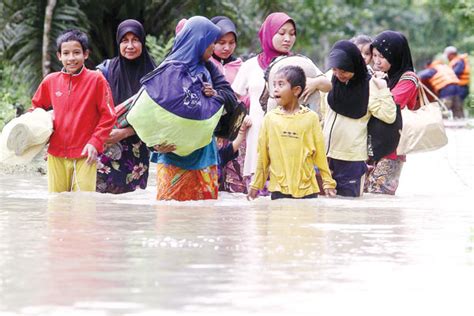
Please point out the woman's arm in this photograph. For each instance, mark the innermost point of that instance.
(242, 132)
(222, 87)
(320, 160)
(381, 103)
(117, 134)
(320, 83)
(263, 162)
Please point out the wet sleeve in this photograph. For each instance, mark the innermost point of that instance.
(263, 161)
(381, 104)
(106, 110)
(319, 156)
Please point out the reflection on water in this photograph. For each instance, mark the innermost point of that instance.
(91, 254)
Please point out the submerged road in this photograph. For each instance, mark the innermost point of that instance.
(92, 254)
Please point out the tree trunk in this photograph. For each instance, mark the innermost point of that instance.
(48, 17)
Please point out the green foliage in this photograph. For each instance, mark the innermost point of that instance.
(14, 97)
(464, 10)
(430, 25)
(469, 102)
(159, 47)
(21, 34)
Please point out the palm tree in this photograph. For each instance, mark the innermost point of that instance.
(28, 28)
(22, 26)
(48, 17)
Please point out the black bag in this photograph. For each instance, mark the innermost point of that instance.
(383, 138)
(229, 124)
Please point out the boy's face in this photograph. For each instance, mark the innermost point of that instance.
(72, 56)
(283, 92)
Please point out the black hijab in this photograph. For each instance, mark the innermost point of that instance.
(394, 47)
(350, 99)
(124, 75)
(227, 26)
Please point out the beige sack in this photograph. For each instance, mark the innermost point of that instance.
(423, 129)
(25, 136)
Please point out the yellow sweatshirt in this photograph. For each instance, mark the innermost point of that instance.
(289, 147)
(346, 138)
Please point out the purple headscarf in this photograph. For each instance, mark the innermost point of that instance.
(269, 28)
(191, 43)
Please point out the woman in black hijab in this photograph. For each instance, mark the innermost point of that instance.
(353, 99)
(123, 167)
(392, 58)
(348, 96)
(393, 46)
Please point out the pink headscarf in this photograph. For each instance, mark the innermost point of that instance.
(269, 28)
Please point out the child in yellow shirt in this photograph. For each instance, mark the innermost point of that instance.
(291, 144)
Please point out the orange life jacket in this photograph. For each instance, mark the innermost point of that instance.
(464, 77)
(444, 76)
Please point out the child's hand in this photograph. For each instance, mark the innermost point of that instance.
(253, 194)
(330, 192)
(319, 83)
(311, 87)
(246, 124)
(91, 153)
(164, 148)
(208, 90)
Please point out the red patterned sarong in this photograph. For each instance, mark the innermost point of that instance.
(174, 183)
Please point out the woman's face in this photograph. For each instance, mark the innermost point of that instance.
(208, 52)
(366, 52)
(342, 75)
(225, 46)
(285, 38)
(380, 63)
(130, 46)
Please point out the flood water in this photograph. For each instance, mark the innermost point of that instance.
(92, 254)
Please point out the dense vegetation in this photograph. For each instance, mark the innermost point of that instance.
(27, 51)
